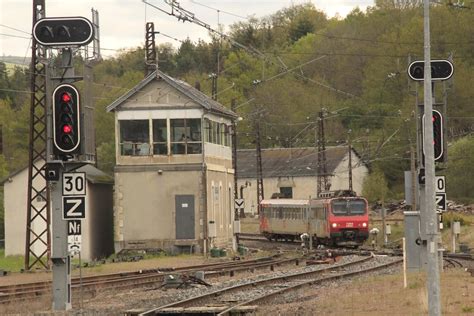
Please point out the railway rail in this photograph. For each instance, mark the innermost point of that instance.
(260, 290)
(90, 284)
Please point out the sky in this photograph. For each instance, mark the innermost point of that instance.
(122, 22)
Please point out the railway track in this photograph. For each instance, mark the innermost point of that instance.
(246, 296)
(141, 278)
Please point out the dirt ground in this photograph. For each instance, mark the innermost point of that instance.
(372, 295)
(159, 262)
(380, 295)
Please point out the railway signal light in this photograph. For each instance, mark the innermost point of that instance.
(66, 120)
(63, 31)
(440, 70)
(438, 141)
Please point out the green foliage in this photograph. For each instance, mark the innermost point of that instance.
(106, 157)
(355, 68)
(11, 263)
(460, 171)
(449, 217)
(2, 217)
(375, 186)
(467, 309)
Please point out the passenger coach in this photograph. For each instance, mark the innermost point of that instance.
(336, 218)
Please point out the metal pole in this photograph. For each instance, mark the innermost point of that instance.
(434, 304)
(310, 230)
(233, 106)
(350, 162)
(404, 263)
(384, 227)
(413, 178)
(260, 191)
(60, 257)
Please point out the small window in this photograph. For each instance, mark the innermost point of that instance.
(286, 192)
(186, 136)
(160, 137)
(134, 138)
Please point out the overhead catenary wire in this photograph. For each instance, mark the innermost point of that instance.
(219, 10)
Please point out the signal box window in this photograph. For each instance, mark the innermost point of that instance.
(185, 136)
(160, 137)
(286, 192)
(134, 138)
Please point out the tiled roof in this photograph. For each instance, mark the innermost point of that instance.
(191, 92)
(287, 162)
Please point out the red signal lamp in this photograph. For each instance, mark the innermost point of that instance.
(66, 97)
(67, 129)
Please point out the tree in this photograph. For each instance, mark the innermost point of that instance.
(460, 170)
(375, 186)
(185, 59)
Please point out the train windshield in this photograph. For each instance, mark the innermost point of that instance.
(348, 207)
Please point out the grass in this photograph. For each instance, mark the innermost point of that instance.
(11, 263)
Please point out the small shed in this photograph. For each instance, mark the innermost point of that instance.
(97, 227)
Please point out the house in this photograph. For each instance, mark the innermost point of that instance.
(97, 228)
(292, 173)
(173, 173)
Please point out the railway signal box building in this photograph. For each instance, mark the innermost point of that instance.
(173, 173)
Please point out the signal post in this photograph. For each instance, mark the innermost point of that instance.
(432, 151)
(65, 147)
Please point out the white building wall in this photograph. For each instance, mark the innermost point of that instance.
(341, 178)
(304, 187)
(15, 203)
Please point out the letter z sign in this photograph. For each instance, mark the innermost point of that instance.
(74, 207)
(74, 199)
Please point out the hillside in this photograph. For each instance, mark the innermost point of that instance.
(353, 70)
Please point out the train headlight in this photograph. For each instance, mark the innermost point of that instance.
(334, 225)
(364, 224)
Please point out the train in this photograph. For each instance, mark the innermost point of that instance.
(336, 218)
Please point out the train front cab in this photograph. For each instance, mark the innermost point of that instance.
(348, 221)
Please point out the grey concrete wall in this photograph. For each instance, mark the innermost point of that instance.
(100, 225)
(144, 206)
(220, 202)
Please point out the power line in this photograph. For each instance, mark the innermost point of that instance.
(17, 36)
(219, 10)
(15, 29)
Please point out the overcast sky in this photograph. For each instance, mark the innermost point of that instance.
(122, 22)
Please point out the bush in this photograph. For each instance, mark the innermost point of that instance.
(449, 217)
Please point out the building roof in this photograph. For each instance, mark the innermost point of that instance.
(191, 92)
(96, 176)
(288, 162)
(93, 175)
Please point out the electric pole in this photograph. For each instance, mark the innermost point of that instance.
(151, 57)
(431, 226)
(260, 192)
(350, 160)
(38, 216)
(233, 106)
(322, 178)
(213, 78)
